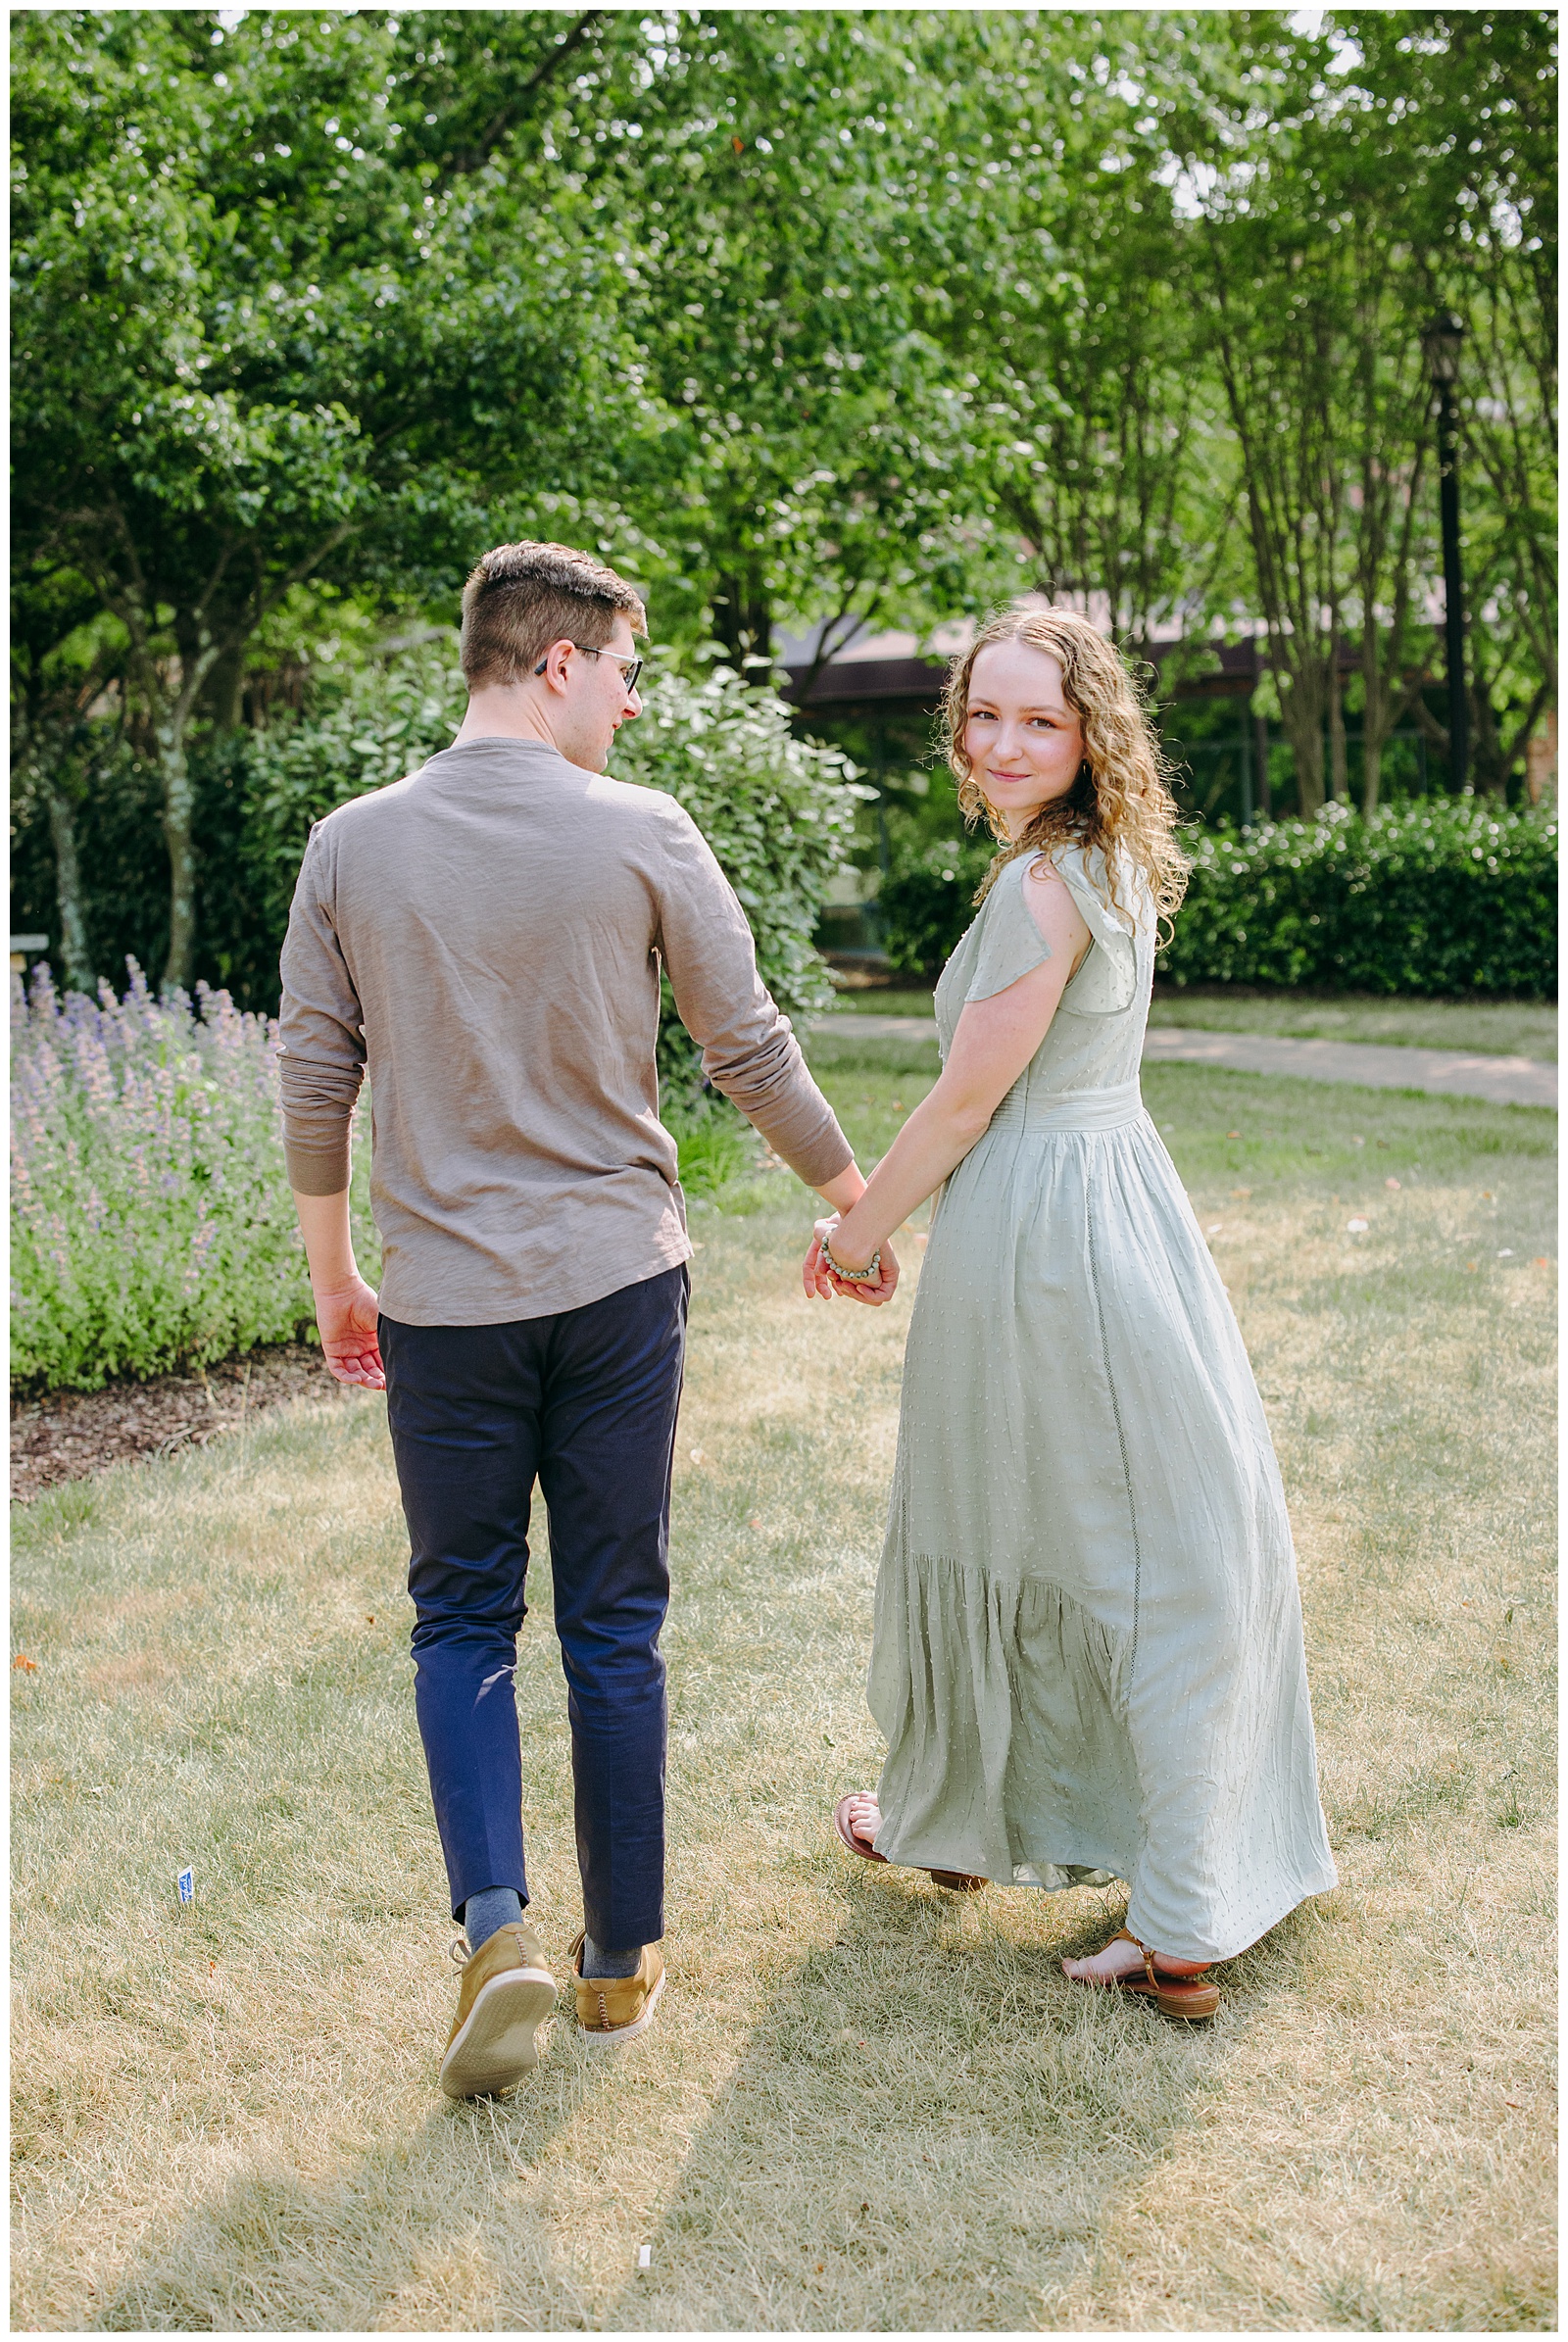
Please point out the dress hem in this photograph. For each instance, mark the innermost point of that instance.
(1110, 1874)
(1277, 1911)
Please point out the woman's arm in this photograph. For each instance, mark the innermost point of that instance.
(995, 1041)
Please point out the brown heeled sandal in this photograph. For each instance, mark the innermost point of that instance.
(957, 1882)
(1188, 1997)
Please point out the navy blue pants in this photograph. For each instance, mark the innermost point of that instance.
(585, 1404)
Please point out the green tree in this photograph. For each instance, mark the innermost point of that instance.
(797, 456)
(1346, 182)
(1468, 98)
(1310, 309)
(1064, 303)
(297, 299)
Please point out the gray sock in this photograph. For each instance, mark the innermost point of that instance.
(483, 1913)
(596, 1963)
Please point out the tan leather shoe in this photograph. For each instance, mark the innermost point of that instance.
(506, 1993)
(613, 2009)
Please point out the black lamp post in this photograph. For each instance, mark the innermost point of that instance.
(1439, 345)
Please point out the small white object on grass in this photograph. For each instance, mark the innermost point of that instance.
(645, 2256)
(1356, 1227)
(186, 1880)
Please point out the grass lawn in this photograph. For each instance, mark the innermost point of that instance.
(865, 2104)
(874, 1001)
(1494, 1028)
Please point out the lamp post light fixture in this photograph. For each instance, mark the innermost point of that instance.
(1439, 346)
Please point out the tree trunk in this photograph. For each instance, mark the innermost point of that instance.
(1489, 761)
(1371, 772)
(1339, 767)
(1375, 725)
(179, 836)
(75, 963)
(225, 690)
(1302, 712)
(198, 655)
(742, 618)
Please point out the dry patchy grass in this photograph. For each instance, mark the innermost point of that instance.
(866, 2105)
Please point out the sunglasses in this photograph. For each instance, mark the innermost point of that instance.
(630, 669)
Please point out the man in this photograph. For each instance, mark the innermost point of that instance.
(486, 938)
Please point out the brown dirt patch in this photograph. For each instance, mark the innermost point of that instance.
(68, 1434)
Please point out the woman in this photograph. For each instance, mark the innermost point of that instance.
(1088, 1656)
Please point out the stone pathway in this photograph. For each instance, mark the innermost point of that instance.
(1445, 1073)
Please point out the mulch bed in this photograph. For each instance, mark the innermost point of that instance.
(69, 1434)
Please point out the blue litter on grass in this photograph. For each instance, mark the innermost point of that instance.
(187, 1883)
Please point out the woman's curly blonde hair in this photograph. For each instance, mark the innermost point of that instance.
(1121, 800)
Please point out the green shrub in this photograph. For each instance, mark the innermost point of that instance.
(779, 812)
(716, 1147)
(377, 725)
(926, 901)
(1442, 895)
(151, 1225)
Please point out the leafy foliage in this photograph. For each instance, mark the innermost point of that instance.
(778, 810)
(831, 318)
(926, 901)
(1086, 425)
(281, 314)
(151, 1225)
(1437, 897)
(1449, 896)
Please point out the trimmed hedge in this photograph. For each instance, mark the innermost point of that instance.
(1445, 896)
(1442, 895)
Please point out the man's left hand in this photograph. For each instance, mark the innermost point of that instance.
(347, 1322)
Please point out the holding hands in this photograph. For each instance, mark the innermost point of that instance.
(823, 1276)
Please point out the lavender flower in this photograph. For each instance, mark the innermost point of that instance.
(151, 1226)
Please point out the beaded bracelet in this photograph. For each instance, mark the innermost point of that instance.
(852, 1276)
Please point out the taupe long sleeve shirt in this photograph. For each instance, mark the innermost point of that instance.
(485, 938)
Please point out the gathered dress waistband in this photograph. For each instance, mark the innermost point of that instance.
(1069, 1109)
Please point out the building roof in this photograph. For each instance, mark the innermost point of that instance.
(899, 678)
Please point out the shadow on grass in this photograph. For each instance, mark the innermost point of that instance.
(928, 2127)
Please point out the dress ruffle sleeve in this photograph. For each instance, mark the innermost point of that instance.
(1007, 943)
(1107, 980)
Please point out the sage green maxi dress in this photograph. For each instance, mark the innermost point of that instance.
(1088, 1658)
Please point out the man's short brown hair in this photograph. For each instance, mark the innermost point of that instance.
(520, 599)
